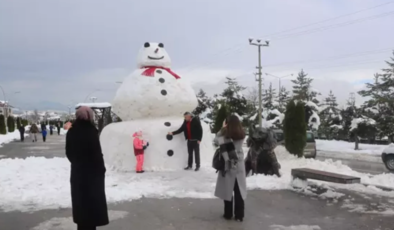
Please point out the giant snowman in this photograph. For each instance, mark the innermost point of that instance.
(152, 99)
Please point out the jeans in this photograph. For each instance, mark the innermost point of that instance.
(238, 202)
(193, 146)
(33, 136)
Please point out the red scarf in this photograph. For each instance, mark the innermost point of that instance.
(150, 71)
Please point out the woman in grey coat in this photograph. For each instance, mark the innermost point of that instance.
(233, 178)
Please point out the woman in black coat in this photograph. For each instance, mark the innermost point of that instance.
(83, 150)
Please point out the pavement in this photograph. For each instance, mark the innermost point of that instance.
(372, 166)
(265, 210)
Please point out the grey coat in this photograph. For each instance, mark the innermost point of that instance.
(225, 185)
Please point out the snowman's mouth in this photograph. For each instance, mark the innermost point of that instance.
(153, 58)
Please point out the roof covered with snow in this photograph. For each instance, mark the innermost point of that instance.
(98, 105)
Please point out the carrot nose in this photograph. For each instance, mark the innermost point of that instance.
(157, 49)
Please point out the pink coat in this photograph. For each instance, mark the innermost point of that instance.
(138, 144)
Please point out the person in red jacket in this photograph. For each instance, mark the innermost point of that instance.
(139, 146)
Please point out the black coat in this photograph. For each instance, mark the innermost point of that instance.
(83, 150)
(196, 129)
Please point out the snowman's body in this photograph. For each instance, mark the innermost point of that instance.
(153, 103)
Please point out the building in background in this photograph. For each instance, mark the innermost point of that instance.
(5, 109)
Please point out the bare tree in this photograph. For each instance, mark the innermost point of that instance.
(35, 117)
(253, 96)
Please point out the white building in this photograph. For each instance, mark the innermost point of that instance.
(5, 109)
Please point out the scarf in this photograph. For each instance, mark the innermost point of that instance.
(227, 149)
(150, 71)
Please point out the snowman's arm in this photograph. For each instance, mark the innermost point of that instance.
(181, 129)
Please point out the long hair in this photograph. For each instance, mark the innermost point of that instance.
(84, 113)
(234, 129)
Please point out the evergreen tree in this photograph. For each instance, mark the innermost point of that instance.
(18, 122)
(11, 124)
(204, 105)
(3, 128)
(282, 99)
(380, 105)
(234, 101)
(268, 98)
(330, 117)
(294, 128)
(220, 117)
(301, 87)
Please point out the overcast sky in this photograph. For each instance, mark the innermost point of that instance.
(56, 53)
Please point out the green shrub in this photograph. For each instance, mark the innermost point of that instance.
(18, 123)
(3, 128)
(294, 128)
(11, 124)
(220, 117)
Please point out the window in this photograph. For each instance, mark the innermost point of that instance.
(310, 137)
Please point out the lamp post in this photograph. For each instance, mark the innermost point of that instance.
(279, 78)
(259, 45)
(5, 102)
(96, 90)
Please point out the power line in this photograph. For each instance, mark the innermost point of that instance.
(337, 25)
(239, 45)
(358, 54)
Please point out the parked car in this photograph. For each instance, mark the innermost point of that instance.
(310, 148)
(388, 157)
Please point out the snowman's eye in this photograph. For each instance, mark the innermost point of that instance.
(161, 45)
(146, 45)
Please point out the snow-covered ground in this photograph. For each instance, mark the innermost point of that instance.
(9, 137)
(38, 183)
(348, 147)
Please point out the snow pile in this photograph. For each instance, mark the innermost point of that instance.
(98, 105)
(9, 137)
(278, 119)
(348, 147)
(37, 183)
(362, 119)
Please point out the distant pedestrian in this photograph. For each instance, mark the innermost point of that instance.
(139, 146)
(44, 133)
(58, 128)
(33, 132)
(51, 129)
(192, 130)
(22, 132)
(233, 178)
(83, 150)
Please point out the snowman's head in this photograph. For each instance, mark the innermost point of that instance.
(153, 54)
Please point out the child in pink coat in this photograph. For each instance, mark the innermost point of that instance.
(139, 146)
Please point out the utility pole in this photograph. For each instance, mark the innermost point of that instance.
(259, 45)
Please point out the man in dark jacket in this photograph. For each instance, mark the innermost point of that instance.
(192, 130)
(22, 132)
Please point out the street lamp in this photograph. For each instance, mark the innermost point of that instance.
(279, 78)
(259, 45)
(5, 102)
(96, 90)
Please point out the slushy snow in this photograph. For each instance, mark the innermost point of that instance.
(37, 183)
(9, 137)
(348, 147)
